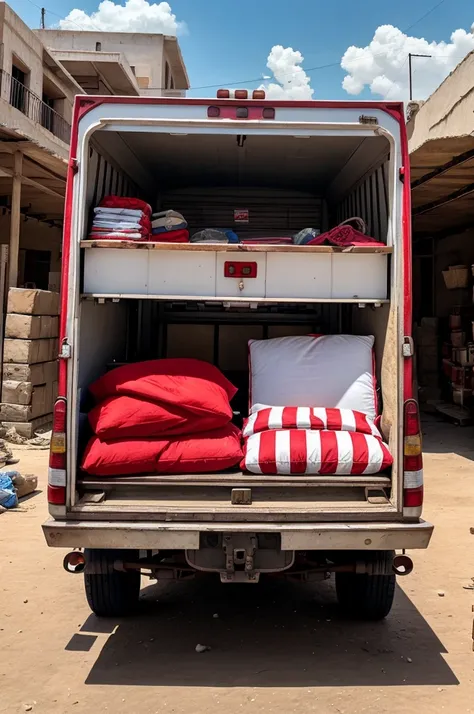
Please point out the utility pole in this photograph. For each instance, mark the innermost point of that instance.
(43, 11)
(410, 78)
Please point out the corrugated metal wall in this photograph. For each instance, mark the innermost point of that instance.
(369, 200)
(105, 178)
(270, 211)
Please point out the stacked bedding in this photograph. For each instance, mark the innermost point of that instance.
(162, 416)
(121, 218)
(169, 227)
(339, 438)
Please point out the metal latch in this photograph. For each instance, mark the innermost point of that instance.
(241, 496)
(408, 348)
(65, 350)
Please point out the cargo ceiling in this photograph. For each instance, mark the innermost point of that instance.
(287, 162)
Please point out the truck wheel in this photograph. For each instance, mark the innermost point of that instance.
(109, 592)
(368, 597)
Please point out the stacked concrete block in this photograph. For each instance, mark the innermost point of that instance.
(30, 354)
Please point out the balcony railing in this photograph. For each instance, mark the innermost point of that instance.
(33, 107)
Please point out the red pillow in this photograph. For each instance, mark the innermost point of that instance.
(188, 384)
(210, 451)
(126, 417)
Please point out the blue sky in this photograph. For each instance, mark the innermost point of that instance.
(229, 40)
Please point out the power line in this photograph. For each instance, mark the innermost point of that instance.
(435, 7)
(50, 12)
(314, 69)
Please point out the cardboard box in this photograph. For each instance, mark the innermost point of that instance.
(42, 400)
(54, 282)
(30, 351)
(40, 373)
(33, 302)
(31, 327)
(28, 429)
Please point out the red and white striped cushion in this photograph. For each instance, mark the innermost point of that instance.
(298, 451)
(312, 418)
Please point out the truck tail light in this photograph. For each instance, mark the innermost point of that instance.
(57, 455)
(223, 94)
(241, 94)
(258, 94)
(412, 461)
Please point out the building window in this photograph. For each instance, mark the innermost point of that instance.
(167, 75)
(47, 112)
(19, 87)
(98, 46)
(37, 266)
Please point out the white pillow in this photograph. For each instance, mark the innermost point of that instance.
(311, 371)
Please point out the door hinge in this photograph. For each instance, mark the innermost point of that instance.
(65, 352)
(408, 348)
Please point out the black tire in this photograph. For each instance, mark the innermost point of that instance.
(109, 592)
(367, 597)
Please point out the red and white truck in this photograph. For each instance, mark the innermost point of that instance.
(269, 168)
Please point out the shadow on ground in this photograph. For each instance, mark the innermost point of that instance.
(274, 634)
(442, 437)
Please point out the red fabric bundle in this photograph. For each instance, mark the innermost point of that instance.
(344, 236)
(209, 451)
(179, 236)
(126, 202)
(127, 417)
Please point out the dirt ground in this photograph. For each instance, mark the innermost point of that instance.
(275, 648)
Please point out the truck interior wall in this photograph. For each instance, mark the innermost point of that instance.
(133, 330)
(279, 202)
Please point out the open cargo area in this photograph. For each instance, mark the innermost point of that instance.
(151, 300)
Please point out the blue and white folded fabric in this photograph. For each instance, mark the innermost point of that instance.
(165, 221)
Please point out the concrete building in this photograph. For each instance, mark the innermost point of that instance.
(120, 62)
(441, 144)
(40, 74)
(41, 71)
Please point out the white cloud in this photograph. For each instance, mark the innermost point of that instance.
(134, 16)
(293, 82)
(383, 64)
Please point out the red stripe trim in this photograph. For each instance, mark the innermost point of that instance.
(261, 422)
(289, 417)
(334, 419)
(298, 451)
(267, 452)
(360, 453)
(329, 452)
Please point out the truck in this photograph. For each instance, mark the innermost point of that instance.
(263, 168)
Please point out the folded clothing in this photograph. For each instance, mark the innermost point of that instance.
(306, 235)
(336, 371)
(167, 221)
(117, 235)
(126, 202)
(121, 218)
(124, 417)
(201, 453)
(177, 236)
(215, 235)
(295, 451)
(278, 240)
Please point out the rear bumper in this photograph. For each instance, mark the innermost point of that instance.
(180, 536)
